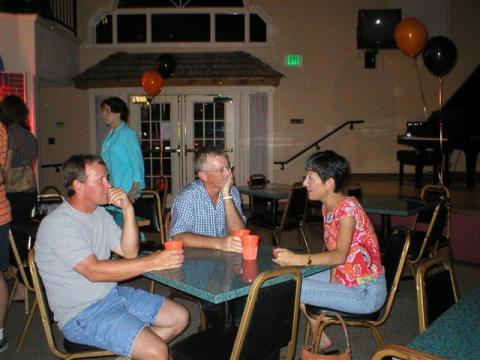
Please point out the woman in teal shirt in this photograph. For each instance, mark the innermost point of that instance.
(121, 149)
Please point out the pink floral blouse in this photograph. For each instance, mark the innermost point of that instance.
(363, 262)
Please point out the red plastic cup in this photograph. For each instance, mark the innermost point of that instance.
(241, 232)
(173, 245)
(250, 246)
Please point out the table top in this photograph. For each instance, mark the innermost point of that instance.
(393, 205)
(218, 276)
(271, 191)
(455, 334)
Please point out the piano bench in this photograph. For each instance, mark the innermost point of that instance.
(419, 159)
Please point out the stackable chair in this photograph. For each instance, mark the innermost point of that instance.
(269, 323)
(72, 350)
(436, 290)
(402, 352)
(393, 261)
(48, 199)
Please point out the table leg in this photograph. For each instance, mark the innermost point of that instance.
(386, 224)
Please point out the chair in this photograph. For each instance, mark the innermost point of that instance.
(436, 290)
(161, 187)
(269, 322)
(258, 203)
(419, 160)
(435, 193)
(402, 352)
(20, 254)
(291, 219)
(423, 243)
(148, 206)
(48, 199)
(393, 262)
(73, 350)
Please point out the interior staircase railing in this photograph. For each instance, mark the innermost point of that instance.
(352, 123)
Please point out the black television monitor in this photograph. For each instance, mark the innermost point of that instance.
(376, 28)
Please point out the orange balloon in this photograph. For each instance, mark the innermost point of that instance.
(152, 82)
(411, 36)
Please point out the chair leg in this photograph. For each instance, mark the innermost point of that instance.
(377, 335)
(152, 286)
(12, 293)
(26, 327)
(400, 174)
(307, 334)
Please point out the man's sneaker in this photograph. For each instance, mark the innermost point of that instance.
(3, 344)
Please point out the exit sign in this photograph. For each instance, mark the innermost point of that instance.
(294, 60)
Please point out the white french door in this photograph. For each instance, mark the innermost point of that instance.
(172, 127)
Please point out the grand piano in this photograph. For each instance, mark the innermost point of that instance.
(460, 117)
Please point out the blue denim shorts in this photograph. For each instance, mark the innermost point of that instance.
(114, 323)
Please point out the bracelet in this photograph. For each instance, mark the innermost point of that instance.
(309, 260)
(227, 197)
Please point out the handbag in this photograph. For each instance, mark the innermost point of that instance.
(21, 178)
(307, 352)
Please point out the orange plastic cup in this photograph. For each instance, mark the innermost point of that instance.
(241, 232)
(250, 246)
(173, 245)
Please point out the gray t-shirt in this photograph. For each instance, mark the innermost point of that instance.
(66, 237)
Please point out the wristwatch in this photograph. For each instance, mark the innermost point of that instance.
(309, 260)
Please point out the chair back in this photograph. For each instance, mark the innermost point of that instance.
(295, 209)
(436, 290)
(46, 316)
(46, 203)
(257, 181)
(258, 203)
(431, 194)
(393, 261)
(148, 206)
(402, 352)
(161, 187)
(270, 317)
(433, 234)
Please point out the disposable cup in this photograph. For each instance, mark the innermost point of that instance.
(241, 232)
(173, 245)
(250, 246)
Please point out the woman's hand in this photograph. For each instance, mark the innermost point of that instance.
(285, 257)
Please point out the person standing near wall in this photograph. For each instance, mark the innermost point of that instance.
(121, 151)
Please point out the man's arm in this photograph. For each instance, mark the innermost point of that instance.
(227, 243)
(129, 244)
(123, 269)
(233, 218)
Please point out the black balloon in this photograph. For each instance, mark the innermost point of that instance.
(165, 65)
(440, 55)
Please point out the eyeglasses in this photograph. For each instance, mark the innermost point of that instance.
(222, 169)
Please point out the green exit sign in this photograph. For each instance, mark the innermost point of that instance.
(294, 60)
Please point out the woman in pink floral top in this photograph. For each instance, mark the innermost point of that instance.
(356, 282)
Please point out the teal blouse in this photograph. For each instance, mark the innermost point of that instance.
(121, 151)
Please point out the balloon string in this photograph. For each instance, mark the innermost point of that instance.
(440, 123)
(421, 89)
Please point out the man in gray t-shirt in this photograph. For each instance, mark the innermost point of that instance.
(73, 249)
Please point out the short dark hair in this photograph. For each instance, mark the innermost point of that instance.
(328, 164)
(117, 106)
(200, 158)
(74, 169)
(13, 111)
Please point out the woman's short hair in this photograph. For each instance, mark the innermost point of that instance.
(117, 106)
(74, 169)
(328, 164)
(201, 155)
(13, 111)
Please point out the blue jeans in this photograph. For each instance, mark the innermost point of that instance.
(361, 299)
(114, 323)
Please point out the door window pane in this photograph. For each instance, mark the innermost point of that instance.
(258, 29)
(219, 129)
(180, 27)
(208, 111)
(208, 129)
(198, 129)
(198, 111)
(132, 28)
(103, 30)
(220, 111)
(229, 27)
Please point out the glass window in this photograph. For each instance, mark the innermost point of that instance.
(229, 27)
(103, 30)
(180, 27)
(258, 29)
(132, 28)
(219, 111)
(178, 3)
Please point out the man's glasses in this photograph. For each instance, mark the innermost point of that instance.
(222, 169)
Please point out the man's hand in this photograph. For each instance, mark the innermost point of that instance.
(228, 184)
(167, 259)
(231, 244)
(132, 195)
(119, 198)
